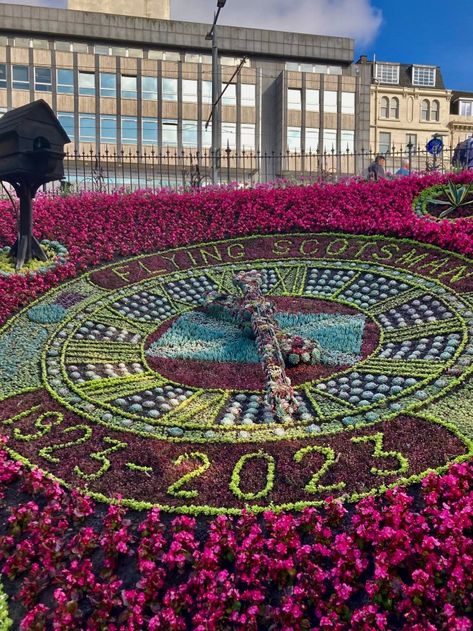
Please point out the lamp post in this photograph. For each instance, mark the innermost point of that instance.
(215, 151)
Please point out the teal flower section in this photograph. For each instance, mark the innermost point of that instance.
(19, 350)
(47, 314)
(202, 337)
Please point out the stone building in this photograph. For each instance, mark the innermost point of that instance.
(409, 105)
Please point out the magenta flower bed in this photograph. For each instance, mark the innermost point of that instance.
(97, 227)
(403, 561)
(393, 563)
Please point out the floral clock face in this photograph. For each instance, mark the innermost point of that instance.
(125, 383)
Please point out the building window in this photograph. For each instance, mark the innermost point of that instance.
(42, 79)
(102, 50)
(128, 87)
(149, 88)
(330, 140)
(423, 75)
(135, 52)
(108, 84)
(150, 131)
(312, 100)
(294, 99)
(108, 129)
(86, 128)
(21, 77)
(384, 107)
(435, 111)
(425, 110)
(394, 108)
(198, 59)
(347, 140)
(189, 134)
(248, 95)
(207, 92)
(311, 140)
(229, 96)
(387, 73)
(63, 46)
(65, 81)
(80, 47)
(22, 42)
(247, 137)
(169, 133)
(348, 102)
(3, 76)
(411, 139)
(129, 130)
(206, 136)
(169, 89)
(330, 101)
(384, 142)
(465, 107)
(67, 121)
(293, 138)
(86, 83)
(189, 91)
(229, 136)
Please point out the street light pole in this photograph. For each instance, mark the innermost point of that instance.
(215, 151)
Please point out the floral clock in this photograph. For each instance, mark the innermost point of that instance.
(124, 383)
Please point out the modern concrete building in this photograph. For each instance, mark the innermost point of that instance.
(155, 9)
(409, 105)
(143, 84)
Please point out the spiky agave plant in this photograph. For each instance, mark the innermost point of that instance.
(457, 197)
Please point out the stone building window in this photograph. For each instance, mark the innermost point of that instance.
(425, 110)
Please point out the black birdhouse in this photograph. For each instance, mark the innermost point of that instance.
(31, 154)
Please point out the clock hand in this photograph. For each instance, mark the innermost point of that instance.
(256, 316)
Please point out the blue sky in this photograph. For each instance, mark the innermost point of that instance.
(433, 32)
(409, 31)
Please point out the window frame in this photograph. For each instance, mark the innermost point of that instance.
(145, 121)
(127, 93)
(381, 145)
(294, 104)
(294, 139)
(20, 84)
(61, 86)
(86, 77)
(330, 108)
(3, 76)
(348, 108)
(38, 85)
(82, 118)
(125, 121)
(420, 71)
(148, 94)
(113, 138)
(105, 91)
(166, 92)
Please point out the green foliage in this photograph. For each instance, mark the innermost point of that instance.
(458, 195)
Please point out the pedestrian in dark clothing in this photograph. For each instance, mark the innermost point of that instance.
(376, 169)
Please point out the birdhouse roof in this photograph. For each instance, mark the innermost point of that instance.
(36, 113)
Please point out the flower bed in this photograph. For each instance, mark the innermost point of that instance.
(120, 385)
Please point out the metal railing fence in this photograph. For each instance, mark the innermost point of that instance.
(128, 170)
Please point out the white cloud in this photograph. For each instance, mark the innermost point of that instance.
(350, 18)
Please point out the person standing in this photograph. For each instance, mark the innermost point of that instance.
(376, 169)
(404, 170)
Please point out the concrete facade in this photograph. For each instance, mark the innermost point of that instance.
(156, 9)
(118, 82)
